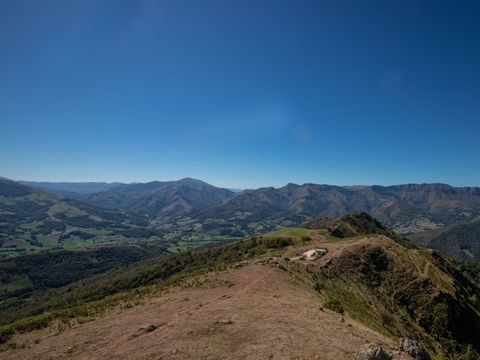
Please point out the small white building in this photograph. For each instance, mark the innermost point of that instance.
(313, 254)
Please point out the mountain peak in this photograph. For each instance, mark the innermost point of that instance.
(192, 181)
(357, 223)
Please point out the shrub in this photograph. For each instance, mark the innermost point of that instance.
(276, 243)
(334, 305)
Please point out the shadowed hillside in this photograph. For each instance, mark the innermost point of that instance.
(461, 241)
(410, 208)
(170, 198)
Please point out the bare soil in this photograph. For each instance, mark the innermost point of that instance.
(253, 312)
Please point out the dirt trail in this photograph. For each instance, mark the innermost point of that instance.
(263, 315)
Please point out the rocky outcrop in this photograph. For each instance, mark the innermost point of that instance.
(407, 349)
(373, 352)
(273, 261)
(413, 348)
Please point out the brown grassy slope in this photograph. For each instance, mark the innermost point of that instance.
(271, 316)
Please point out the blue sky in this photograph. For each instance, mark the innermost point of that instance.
(241, 93)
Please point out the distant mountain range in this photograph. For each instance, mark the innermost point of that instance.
(156, 198)
(409, 208)
(72, 189)
(194, 211)
(166, 199)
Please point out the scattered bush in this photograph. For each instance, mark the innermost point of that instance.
(334, 305)
(276, 243)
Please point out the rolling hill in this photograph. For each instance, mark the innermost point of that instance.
(261, 297)
(31, 220)
(191, 212)
(409, 208)
(76, 190)
(164, 199)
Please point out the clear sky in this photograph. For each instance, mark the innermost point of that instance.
(241, 93)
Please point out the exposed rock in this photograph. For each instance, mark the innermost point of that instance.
(148, 328)
(413, 348)
(271, 261)
(372, 352)
(407, 350)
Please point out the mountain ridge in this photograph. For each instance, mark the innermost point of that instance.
(166, 198)
(69, 188)
(366, 277)
(192, 210)
(395, 205)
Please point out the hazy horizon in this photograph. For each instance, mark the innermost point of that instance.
(237, 187)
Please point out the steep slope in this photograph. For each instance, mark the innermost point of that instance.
(31, 219)
(440, 202)
(25, 274)
(166, 199)
(461, 241)
(223, 297)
